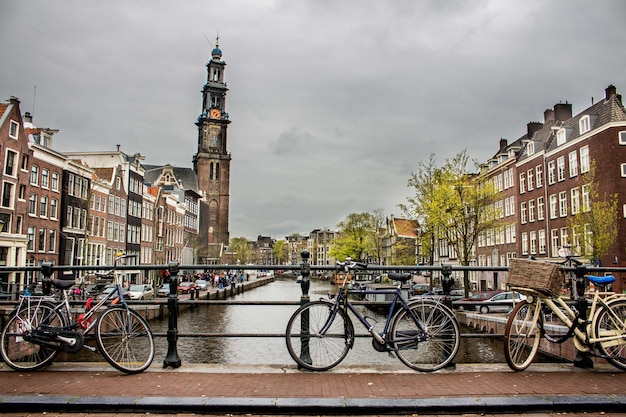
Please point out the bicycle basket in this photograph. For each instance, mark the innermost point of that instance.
(544, 277)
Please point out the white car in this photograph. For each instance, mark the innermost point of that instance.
(202, 285)
(141, 292)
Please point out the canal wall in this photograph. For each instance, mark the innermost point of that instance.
(496, 323)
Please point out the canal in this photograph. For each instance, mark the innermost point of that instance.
(266, 319)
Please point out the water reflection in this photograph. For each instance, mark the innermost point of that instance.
(257, 319)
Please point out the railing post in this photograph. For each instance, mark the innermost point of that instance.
(305, 271)
(582, 359)
(446, 286)
(172, 359)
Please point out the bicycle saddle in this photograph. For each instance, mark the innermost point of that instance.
(399, 277)
(63, 284)
(608, 279)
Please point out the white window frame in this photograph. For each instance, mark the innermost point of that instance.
(585, 164)
(573, 164)
(540, 208)
(560, 164)
(539, 176)
(575, 200)
(623, 169)
(584, 124)
(551, 172)
(560, 137)
(14, 130)
(562, 203)
(622, 137)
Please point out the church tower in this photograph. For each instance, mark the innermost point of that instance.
(212, 162)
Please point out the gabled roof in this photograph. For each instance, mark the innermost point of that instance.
(185, 178)
(405, 228)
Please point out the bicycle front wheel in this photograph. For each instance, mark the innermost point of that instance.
(20, 354)
(611, 322)
(430, 347)
(319, 336)
(125, 340)
(522, 335)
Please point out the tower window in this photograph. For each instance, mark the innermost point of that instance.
(215, 101)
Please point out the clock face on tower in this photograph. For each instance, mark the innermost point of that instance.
(215, 113)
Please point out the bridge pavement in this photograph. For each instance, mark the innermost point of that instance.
(280, 390)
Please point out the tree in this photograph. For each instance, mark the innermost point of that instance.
(280, 251)
(241, 246)
(453, 205)
(595, 225)
(357, 237)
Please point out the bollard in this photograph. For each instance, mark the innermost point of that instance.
(172, 359)
(305, 271)
(446, 286)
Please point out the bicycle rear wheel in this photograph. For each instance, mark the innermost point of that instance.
(125, 340)
(319, 336)
(441, 341)
(612, 323)
(522, 335)
(16, 351)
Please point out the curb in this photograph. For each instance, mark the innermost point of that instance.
(313, 406)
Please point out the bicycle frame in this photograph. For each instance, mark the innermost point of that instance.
(584, 334)
(342, 300)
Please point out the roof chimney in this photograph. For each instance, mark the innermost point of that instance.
(532, 128)
(610, 91)
(503, 143)
(548, 116)
(562, 111)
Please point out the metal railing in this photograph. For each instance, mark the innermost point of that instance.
(171, 271)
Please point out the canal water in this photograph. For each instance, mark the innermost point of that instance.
(272, 319)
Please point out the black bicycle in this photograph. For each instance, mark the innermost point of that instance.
(43, 326)
(422, 332)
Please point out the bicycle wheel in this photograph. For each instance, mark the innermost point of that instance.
(441, 341)
(125, 339)
(522, 335)
(612, 322)
(319, 336)
(20, 354)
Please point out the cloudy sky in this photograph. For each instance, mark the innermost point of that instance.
(333, 103)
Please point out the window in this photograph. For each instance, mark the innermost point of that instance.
(24, 166)
(623, 166)
(564, 236)
(32, 205)
(533, 242)
(542, 241)
(563, 203)
(530, 148)
(41, 245)
(34, 175)
(10, 164)
(573, 164)
(575, 197)
(560, 163)
(622, 137)
(30, 246)
(553, 206)
(554, 240)
(45, 178)
(14, 129)
(531, 211)
(539, 176)
(540, 208)
(586, 198)
(522, 183)
(531, 179)
(54, 208)
(43, 206)
(584, 159)
(584, 124)
(560, 137)
(55, 181)
(52, 240)
(523, 213)
(524, 243)
(551, 172)
(7, 194)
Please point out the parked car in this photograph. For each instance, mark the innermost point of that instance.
(141, 292)
(164, 290)
(500, 303)
(472, 302)
(201, 284)
(109, 289)
(186, 287)
(418, 289)
(94, 289)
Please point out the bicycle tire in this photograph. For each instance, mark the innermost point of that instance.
(125, 340)
(608, 323)
(522, 335)
(442, 336)
(308, 347)
(21, 355)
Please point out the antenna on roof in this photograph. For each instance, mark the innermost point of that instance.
(34, 98)
(207, 39)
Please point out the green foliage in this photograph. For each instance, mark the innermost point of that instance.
(280, 251)
(358, 237)
(241, 246)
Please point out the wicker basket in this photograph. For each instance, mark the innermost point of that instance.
(539, 276)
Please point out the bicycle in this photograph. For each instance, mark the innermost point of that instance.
(600, 326)
(422, 332)
(42, 326)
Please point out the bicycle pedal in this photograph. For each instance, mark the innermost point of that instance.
(91, 348)
(391, 354)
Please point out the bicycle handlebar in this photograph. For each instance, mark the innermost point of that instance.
(350, 265)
